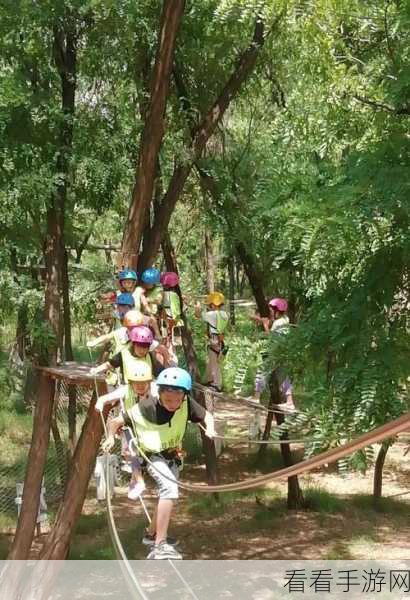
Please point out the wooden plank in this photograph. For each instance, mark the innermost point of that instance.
(73, 373)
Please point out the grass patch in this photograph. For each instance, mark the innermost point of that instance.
(320, 500)
(386, 506)
(5, 543)
(338, 551)
(270, 460)
(88, 524)
(207, 505)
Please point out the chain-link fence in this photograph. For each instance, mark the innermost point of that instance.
(70, 409)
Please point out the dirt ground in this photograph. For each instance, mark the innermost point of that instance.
(340, 521)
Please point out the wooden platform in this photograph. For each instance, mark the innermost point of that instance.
(74, 373)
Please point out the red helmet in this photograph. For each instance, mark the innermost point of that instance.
(170, 279)
(279, 303)
(141, 335)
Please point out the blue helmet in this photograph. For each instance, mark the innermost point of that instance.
(127, 274)
(175, 377)
(151, 276)
(125, 299)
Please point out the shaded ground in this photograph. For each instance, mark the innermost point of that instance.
(341, 521)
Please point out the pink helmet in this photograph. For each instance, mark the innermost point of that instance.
(170, 279)
(141, 335)
(279, 303)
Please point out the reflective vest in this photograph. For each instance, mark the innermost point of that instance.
(157, 438)
(120, 338)
(129, 362)
(154, 298)
(172, 305)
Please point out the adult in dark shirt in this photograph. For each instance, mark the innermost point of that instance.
(159, 423)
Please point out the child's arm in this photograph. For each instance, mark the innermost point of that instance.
(113, 426)
(100, 369)
(152, 323)
(100, 340)
(117, 394)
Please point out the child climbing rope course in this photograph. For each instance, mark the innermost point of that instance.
(216, 320)
(159, 425)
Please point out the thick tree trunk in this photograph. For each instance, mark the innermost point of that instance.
(35, 469)
(64, 48)
(153, 129)
(200, 135)
(378, 471)
(208, 445)
(57, 544)
(209, 263)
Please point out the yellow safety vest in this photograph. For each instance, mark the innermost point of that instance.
(172, 305)
(119, 343)
(157, 438)
(221, 322)
(129, 362)
(154, 298)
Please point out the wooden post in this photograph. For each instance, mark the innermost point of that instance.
(35, 469)
(58, 542)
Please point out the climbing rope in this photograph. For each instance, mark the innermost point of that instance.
(276, 408)
(118, 547)
(376, 435)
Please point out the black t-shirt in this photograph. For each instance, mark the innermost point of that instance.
(152, 410)
(116, 362)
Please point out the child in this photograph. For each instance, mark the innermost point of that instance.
(120, 336)
(171, 310)
(277, 323)
(150, 292)
(139, 387)
(127, 280)
(141, 348)
(216, 320)
(159, 424)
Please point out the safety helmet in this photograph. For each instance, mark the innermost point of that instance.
(140, 372)
(215, 298)
(175, 377)
(151, 276)
(279, 303)
(125, 299)
(170, 279)
(141, 335)
(127, 274)
(133, 318)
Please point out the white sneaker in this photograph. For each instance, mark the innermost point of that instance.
(135, 490)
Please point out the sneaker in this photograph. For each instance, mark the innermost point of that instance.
(126, 467)
(135, 490)
(164, 551)
(149, 539)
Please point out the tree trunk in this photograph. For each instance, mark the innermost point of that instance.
(57, 544)
(295, 495)
(153, 132)
(208, 445)
(35, 469)
(378, 471)
(200, 135)
(249, 264)
(209, 264)
(69, 356)
(64, 49)
(231, 271)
